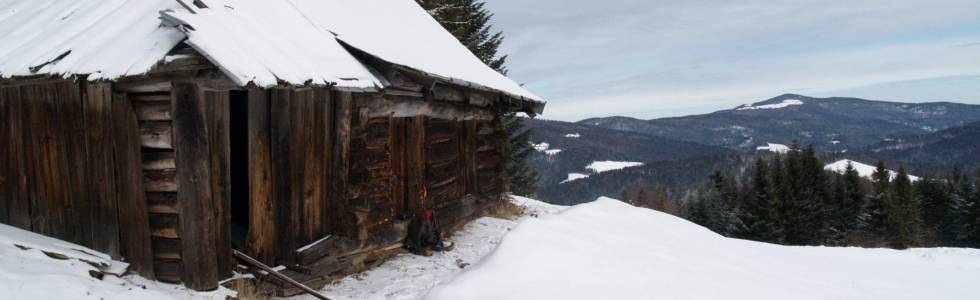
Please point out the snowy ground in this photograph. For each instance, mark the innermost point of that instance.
(864, 170)
(610, 250)
(31, 274)
(409, 276)
(600, 250)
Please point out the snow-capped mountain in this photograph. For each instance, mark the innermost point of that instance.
(827, 123)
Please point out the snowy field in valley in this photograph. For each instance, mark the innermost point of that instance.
(865, 170)
(608, 165)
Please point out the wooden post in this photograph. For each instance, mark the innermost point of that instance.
(415, 163)
(218, 131)
(134, 228)
(325, 152)
(197, 205)
(341, 162)
(262, 229)
(280, 125)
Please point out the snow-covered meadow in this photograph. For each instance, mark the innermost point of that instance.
(605, 249)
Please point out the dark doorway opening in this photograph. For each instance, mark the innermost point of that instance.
(238, 135)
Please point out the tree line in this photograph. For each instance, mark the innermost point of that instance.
(790, 199)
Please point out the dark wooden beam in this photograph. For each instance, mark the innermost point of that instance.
(134, 229)
(197, 205)
(262, 234)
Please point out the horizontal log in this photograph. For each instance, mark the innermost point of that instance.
(152, 110)
(163, 203)
(159, 161)
(168, 270)
(403, 107)
(148, 86)
(150, 97)
(447, 93)
(160, 181)
(156, 135)
(164, 226)
(166, 249)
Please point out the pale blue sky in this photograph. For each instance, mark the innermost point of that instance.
(654, 58)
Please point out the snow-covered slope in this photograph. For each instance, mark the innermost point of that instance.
(774, 148)
(610, 250)
(785, 103)
(608, 165)
(865, 170)
(27, 271)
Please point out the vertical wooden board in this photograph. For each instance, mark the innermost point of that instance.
(217, 116)
(324, 113)
(134, 224)
(19, 204)
(262, 232)
(396, 152)
(301, 168)
(49, 166)
(100, 178)
(415, 190)
(7, 173)
(470, 154)
(78, 205)
(194, 197)
(283, 171)
(343, 114)
(313, 208)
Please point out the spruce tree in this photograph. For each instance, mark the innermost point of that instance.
(469, 22)
(854, 200)
(780, 192)
(757, 214)
(935, 204)
(839, 216)
(879, 199)
(902, 213)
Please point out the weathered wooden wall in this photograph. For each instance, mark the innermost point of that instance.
(71, 167)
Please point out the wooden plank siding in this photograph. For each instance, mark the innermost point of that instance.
(194, 197)
(262, 234)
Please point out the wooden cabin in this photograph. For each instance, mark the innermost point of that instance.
(168, 132)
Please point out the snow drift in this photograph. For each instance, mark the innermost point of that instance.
(610, 250)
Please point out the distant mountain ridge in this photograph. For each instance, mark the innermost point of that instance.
(958, 146)
(565, 148)
(827, 123)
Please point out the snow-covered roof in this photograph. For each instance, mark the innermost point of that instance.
(106, 39)
(402, 33)
(264, 42)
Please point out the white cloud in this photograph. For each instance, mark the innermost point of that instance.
(647, 58)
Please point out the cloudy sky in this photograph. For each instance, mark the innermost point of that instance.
(656, 58)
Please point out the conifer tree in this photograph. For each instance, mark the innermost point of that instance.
(757, 214)
(839, 220)
(902, 213)
(854, 200)
(780, 192)
(469, 22)
(879, 199)
(935, 204)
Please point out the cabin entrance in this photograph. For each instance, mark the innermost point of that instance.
(238, 156)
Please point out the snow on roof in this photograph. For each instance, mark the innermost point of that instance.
(402, 33)
(266, 42)
(107, 39)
